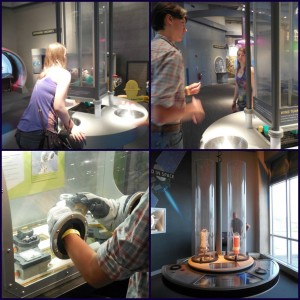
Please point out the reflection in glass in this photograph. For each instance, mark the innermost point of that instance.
(288, 52)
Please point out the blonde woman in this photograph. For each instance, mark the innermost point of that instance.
(47, 104)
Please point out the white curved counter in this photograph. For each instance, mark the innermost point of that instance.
(234, 125)
(110, 131)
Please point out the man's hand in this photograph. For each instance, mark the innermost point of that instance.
(193, 88)
(85, 201)
(108, 212)
(233, 107)
(199, 113)
(54, 214)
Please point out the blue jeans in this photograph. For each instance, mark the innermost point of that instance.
(29, 140)
(167, 140)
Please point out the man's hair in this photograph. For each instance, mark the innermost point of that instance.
(162, 9)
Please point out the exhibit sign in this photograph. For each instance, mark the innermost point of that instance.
(27, 173)
(288, 115)
(42, 32)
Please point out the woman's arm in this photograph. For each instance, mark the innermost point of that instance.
(63, 82)
(235, 97)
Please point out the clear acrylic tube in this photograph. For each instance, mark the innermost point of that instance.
(205, 206)
(236, 197)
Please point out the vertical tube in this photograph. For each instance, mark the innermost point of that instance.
(219, 207)
(275, 64)
(64, 26)
(110, 45)
(291, 56)
(78, 35)
(96, 51)
(205, 204)
(255, 46)
(58, 21)
(236, 197)
(248, 56)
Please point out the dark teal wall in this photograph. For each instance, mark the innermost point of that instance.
(176, 243)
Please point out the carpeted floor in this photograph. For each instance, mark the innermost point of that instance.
(216, 101)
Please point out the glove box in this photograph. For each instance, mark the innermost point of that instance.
(33, 182)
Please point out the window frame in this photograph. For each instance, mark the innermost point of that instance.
(288, 235)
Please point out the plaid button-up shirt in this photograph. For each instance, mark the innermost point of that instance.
(126, 253)
(167, 73)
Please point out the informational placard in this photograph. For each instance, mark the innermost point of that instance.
(42, 32)
(28, 173)
(288, 115)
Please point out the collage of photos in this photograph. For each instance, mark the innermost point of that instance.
(150, 150)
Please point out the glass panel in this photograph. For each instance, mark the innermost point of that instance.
(280, 249)
(236, 197)
(70, 38)
(279, 208)
(79, 40)
(293, 189)
(87, 43)
(263, 54)
(295, 250)
(38, 180)
(289, 53)
(103, 32)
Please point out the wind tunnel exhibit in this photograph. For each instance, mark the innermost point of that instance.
(212, 272)
(107, 120)
(107, 97)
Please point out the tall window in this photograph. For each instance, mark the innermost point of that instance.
(284, 221)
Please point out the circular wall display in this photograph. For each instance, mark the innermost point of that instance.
(219, 65)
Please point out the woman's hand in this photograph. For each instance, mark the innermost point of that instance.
(77, 134)
(233, 107)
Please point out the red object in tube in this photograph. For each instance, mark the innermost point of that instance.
(236, 244)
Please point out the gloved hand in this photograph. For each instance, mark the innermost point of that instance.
(108, 212)
(54, 214)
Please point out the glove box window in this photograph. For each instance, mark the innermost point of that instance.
(35, 182)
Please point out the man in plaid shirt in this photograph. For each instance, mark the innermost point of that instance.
(168, 106)
(125, 254)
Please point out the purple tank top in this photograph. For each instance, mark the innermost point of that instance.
(42, 96)
(241, 82)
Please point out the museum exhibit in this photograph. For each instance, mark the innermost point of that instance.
(34, 259)
(224, 224)
(268, 32)
(107, 97)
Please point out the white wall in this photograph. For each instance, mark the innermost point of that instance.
(9, 39)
